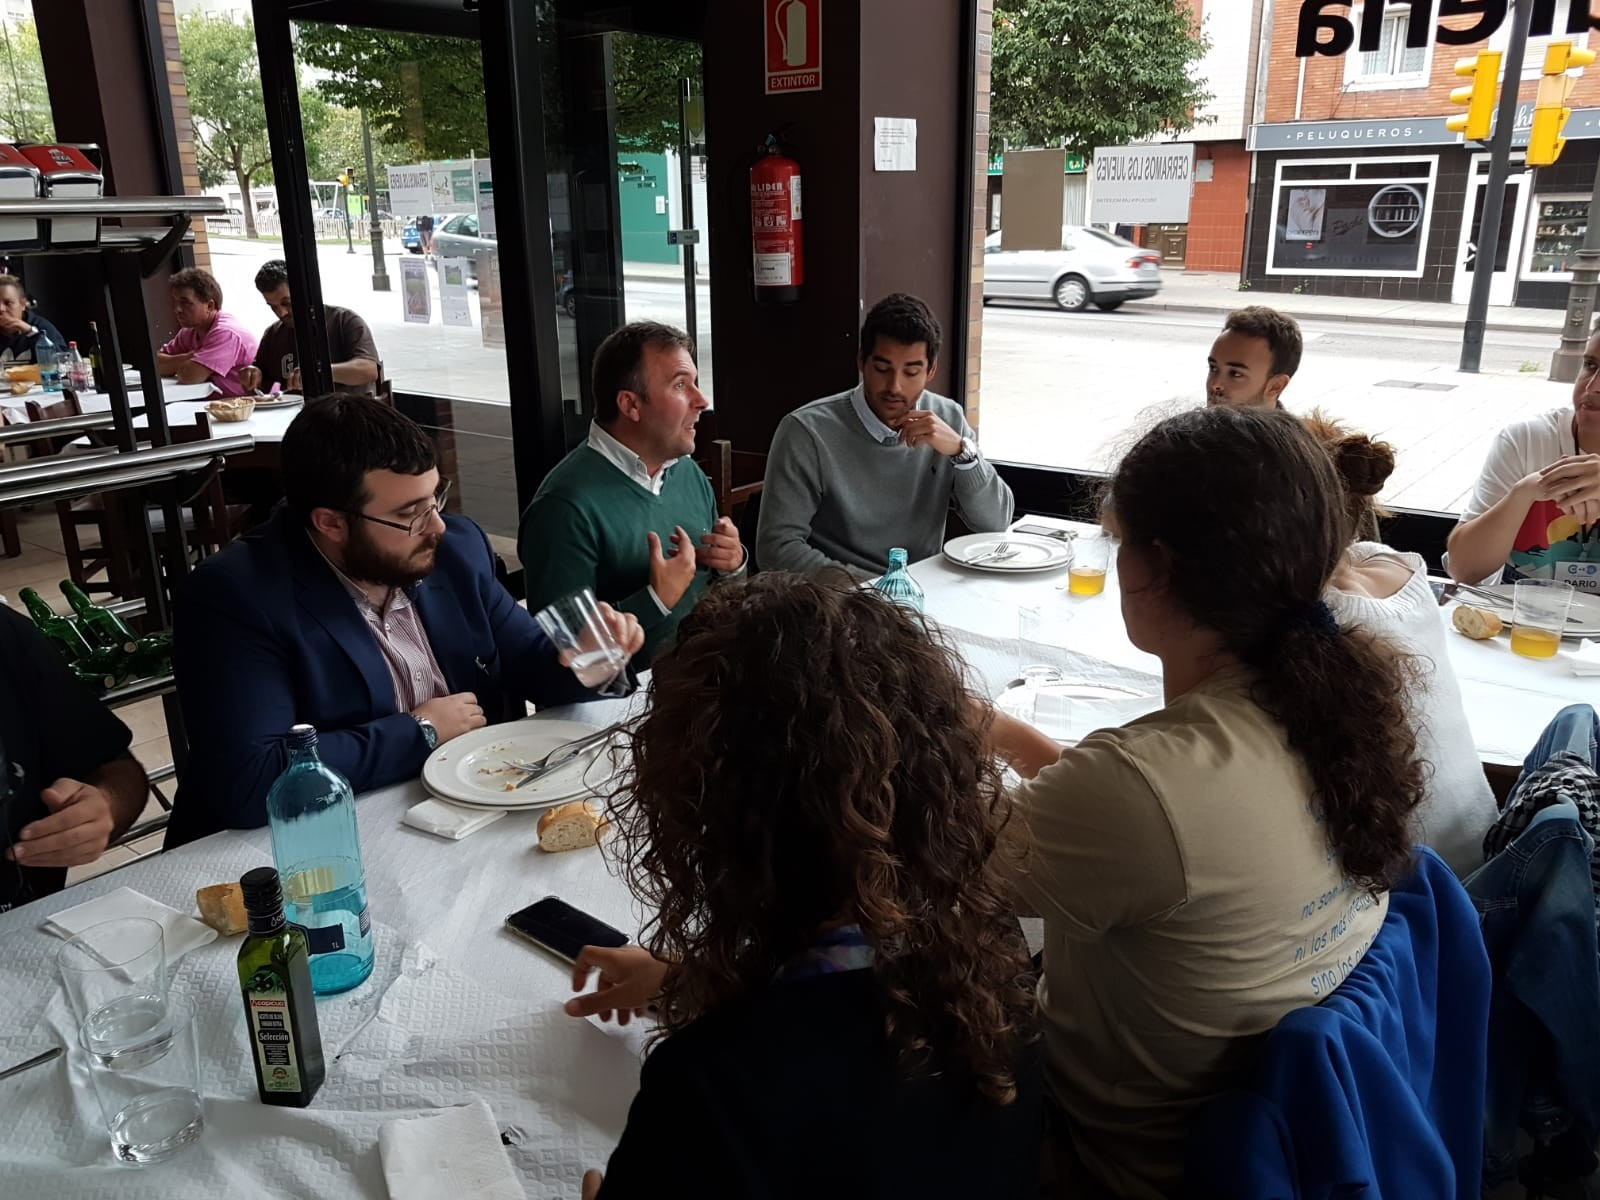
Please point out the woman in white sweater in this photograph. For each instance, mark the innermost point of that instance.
(1387, 593)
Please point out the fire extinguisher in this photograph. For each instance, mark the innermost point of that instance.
(775, 226)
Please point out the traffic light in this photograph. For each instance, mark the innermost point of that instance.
(1550, 111)
(1483, 69)
(344, 178)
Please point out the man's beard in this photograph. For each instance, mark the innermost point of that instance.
(365, 562)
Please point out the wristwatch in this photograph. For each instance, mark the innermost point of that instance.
(429, 733)
(967, 454)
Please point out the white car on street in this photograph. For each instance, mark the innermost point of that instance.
(1092, 267)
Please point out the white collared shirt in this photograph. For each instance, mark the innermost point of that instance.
(878, 431)
(626, 461)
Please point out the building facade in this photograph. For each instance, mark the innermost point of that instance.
(1360, 189)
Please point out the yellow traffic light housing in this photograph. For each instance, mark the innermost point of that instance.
(1483, 69)
(1550, 111)
(344, 181)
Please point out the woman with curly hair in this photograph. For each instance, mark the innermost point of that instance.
(1209, 867)
(842, 989)
(1387, 593)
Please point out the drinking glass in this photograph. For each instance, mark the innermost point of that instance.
(115, 975)
(1539, 616)
(584, 641)
(1091, 556)
(149, 1086)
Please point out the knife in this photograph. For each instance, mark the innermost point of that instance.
(37, 1061)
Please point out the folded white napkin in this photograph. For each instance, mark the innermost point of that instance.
(180, 933)
(450, 820)
(1586, 658)
(450, 1152)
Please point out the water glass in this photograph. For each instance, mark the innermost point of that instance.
(1091, 558)
(1539, 616)
(149, 1087)
(115, 975)
(583, 639)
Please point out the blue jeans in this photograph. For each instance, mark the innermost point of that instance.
(1535, 903)
(1575, 729)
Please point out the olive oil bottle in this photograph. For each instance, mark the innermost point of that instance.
(280, 1009)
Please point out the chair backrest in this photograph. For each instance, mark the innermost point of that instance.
(724, 466)
(67, 406)
(1378, 1090)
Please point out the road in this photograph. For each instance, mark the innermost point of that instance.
(1059, 389)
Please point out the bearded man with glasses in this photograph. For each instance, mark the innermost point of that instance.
(361, 608)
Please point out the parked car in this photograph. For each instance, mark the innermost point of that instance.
(458, 237)
(411, 236)
(1092, 267)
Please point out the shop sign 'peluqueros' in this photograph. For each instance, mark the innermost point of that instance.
(1332, 33)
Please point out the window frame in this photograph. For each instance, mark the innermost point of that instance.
(1525, 272)
(1356, 81)
(1279, 183)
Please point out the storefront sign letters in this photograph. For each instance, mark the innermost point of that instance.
(1316, 21)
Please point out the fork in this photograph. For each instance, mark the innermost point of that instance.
(999, 553)
(567, 751)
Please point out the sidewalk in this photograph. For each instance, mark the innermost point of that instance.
(1217, 291)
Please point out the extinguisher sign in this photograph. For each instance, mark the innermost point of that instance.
(794, 45)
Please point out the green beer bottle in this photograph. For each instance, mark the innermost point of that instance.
(280, 1010)
(100, 625)
(57, 628)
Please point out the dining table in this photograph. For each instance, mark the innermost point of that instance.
(186, 401)
(1508, 699)
(456, 1008)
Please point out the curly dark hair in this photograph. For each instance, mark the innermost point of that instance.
(1248, 514)
(201, 282)
(902, 318)
(811, 756)
(1363, 465)
(1279, 330)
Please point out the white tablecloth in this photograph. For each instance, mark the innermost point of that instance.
(1509, 699)
(455, 1007)
(184, 400)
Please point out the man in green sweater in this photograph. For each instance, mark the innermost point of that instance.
(603, 517)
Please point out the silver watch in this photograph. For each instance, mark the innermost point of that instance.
(429, 733)
(967, 454)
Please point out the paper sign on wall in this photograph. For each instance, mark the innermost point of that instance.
(894, 144)
(410, 191)
(453, 306)
(415, 294)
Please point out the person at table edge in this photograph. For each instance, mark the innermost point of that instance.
(1253, 359)
(21, 325)
(853, 475)
(359, 608)
(68, 785)
(603, 519)
(351, 349)
(211, 346)
(1535, 511)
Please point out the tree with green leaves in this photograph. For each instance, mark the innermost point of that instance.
(25, 110)
(645, 72)
(1087, 73)
(226, 106)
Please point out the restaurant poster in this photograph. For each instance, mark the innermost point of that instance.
(415, 294)
(1307, 209)
(453, 306)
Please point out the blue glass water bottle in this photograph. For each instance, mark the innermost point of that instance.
(312, 814)
(896, 583)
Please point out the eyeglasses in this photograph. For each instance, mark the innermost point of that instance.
(419, 522)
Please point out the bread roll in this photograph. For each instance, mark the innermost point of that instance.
(570, 826)
(1479, 624)
(222, 908)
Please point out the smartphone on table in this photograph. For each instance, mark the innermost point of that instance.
(1049, 531)
(563, 930)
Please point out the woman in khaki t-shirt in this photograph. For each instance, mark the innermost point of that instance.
(1206, 869)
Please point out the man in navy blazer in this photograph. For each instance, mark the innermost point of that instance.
(359, 608)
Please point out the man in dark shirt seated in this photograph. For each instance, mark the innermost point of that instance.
(353, 353)
(68, 785)
(359, 608)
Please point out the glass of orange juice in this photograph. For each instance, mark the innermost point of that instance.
(1539, 616)
(1090, 558)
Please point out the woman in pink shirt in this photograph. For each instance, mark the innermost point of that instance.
(211, 346)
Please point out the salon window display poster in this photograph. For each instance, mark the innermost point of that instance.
(1307, 208)
(415, 293)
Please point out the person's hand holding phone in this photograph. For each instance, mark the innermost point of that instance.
(630, 980)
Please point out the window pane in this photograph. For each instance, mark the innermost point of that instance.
(1367, 227)
(1388, 168)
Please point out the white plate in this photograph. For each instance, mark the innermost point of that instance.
(1583, 617)
(472, 770)
(1033, 553)
(283, 400)
(1069, 711)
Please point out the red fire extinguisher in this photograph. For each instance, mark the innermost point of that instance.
(775, 225)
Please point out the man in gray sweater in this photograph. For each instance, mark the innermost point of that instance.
(852, 475)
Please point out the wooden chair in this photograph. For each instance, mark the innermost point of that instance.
(724, 465)
(384, 388)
